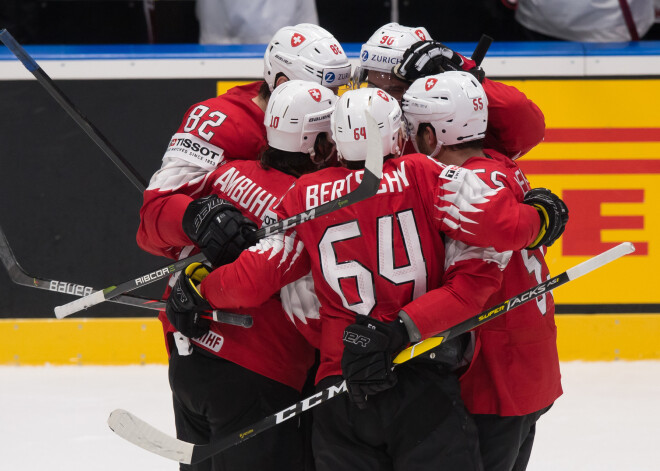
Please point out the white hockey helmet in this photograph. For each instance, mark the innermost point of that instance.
(349, 123)
(453, 102)
(385, 49)
(298, 110)
(306, 52)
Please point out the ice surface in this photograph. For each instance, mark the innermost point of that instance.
(54, 418)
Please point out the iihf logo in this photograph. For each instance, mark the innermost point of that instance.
(365, 56)
(329, 77)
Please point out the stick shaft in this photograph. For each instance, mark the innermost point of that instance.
(53, 90)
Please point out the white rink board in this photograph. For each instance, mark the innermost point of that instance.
(54, 418)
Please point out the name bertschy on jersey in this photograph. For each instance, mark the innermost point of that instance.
(244, 192)
(320, 193)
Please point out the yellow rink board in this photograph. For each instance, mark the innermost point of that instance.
(132, 341)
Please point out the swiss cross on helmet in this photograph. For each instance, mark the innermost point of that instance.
(306, 52)
(297, 39)
(315, 93)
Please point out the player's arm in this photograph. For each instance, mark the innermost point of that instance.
(467, 209)
(472, 275)
(515, 123)
(160, 231)
(258, 273)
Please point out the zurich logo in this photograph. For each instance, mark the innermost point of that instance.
(365, 56)
(329, 77)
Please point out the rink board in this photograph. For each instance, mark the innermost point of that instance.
(140, 341)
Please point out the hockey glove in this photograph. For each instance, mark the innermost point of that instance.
(426, 58)
(219, 229)
(369, 346)
(553, 213)
(185, 305)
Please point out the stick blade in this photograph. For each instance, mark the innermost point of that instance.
(79, 304)
(598, 261)
(140, 433)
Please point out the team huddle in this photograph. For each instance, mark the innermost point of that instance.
(454, 229)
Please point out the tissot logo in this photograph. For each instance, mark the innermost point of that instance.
(297, 39)
(365, 56)
(420, 34)
(330, 77)
(430, 83)
(315, 94)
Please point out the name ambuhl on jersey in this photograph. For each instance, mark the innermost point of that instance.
(198, 162)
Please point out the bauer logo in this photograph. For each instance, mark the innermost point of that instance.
(330, 77)
(69, 288)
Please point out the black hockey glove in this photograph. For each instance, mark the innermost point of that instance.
(369, 346)
(219, 229)
(185, 305)
(553, 212)
(426, 58)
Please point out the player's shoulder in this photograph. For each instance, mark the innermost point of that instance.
(236, 98)
(492, 161)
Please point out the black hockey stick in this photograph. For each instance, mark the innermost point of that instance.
(54, 91)
(19, 276)
(369, 185)
(482, 48)
(140, 433)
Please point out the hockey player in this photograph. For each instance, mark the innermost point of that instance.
(514, 374)
(224, 377)
(373, 261)
(395, 56)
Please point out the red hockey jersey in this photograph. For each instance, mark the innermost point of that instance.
(273, 346)
(382, 254)
(515, 367)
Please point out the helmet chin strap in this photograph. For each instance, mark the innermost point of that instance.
(436, 151)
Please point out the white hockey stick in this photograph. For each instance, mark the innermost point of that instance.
(140, 433)
(21, 277)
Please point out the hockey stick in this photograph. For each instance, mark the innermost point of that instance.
(482, 48)
(19, 276)
(140, 433)
(369, 185)
(96, 136)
